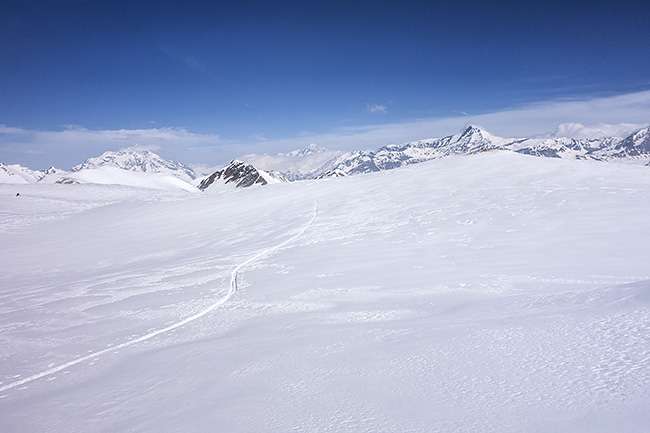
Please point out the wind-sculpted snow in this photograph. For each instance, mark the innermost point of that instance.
(495, 292)
(218, 303)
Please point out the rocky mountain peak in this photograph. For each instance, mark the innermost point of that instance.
(240, 175)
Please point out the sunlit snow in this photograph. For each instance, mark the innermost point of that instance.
(495, 292)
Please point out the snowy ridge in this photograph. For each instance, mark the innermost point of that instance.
(18, 174)
(633, 149)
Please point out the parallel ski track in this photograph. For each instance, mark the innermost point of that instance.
(231, 291)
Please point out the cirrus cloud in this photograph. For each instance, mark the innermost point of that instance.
(75, 143)
(585, 118)
(376, 108)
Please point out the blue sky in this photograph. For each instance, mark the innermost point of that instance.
(205, 81)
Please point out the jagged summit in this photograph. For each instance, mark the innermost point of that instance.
(472, 130)
(240, 175)
(473, 139)
(139, 160)
(475, 134)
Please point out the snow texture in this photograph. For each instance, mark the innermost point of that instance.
(495, 292)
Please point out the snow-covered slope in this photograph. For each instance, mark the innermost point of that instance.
(18, 174)
(633, 149)
(108, 175)
(138, 160)
(239, 175)
(495, 292)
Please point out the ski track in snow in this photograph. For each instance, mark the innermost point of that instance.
(231, 291)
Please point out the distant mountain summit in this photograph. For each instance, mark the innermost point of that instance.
(312, 149)
(632, 149)
(239, 175)
(138, 160)
(295, 165)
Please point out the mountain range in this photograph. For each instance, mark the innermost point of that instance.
(314, 162)
(632, 149)
(295, 165)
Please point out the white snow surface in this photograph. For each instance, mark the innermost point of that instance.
(107, 175)
(494, 292)
(17, 174)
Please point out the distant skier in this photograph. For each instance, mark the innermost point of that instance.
(17, 194)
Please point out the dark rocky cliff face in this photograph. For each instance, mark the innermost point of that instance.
(240, 174)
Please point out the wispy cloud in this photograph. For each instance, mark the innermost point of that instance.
(188, 60)
(585, 118)
(259, 137)
(74, 143)
(376, 108)
(616, 115)
(578, 130)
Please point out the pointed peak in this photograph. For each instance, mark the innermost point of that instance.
(312, 148)
(473, 129)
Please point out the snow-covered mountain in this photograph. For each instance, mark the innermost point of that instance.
(52, 172)
(138, 160)
(16, 173)
(633, 149)
(312, 149)
(295, 165)
(129, 167)
(240, 175)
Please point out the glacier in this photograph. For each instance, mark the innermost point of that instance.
(492, 292)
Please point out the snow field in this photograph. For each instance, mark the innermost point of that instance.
(489, 293)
